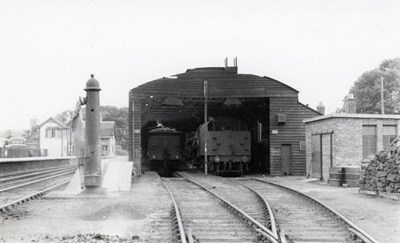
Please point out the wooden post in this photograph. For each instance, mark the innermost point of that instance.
(382, 99)
(206, 128)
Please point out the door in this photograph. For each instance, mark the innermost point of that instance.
(286, 159)
(316, 161)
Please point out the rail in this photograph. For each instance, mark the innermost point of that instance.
(261, 229)
(27, 174)
(38, 180)
(7, 206)
(267, 210)
(29, 159)
(353, 228)
(178, 217)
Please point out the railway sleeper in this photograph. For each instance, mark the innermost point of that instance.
(357, 237)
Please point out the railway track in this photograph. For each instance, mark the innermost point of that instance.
(299, 217)
(245, 198)
(306, 219)
(23, 181)
(20, 175)
(18, 188)
(208, 217)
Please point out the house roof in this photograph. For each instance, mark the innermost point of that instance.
(107, 128)
(352, 115)
(55, 121)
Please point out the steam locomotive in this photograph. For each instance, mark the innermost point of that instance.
(165, 149)
(228, 147)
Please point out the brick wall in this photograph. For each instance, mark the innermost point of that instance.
(346, 135)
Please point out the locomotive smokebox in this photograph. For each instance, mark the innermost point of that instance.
(92, 169)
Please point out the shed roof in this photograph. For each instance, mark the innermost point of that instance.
(352, 115)
(222, 82)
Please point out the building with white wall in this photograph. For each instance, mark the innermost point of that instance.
(54, 138)
(107, 129)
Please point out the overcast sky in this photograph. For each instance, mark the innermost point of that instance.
(48, 49)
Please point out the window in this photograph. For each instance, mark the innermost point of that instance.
(53, 132)
(48, 133)
(389, 134)
(369, 140)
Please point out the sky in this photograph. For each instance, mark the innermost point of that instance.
(49, 48)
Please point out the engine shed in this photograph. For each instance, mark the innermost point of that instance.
(270, 109)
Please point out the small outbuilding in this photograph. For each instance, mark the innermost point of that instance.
(270, 109)
(345, 140)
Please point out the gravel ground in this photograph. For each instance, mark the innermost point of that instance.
(379, 217)
(130, 217)
(125, 218)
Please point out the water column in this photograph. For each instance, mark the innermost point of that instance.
(92, 169)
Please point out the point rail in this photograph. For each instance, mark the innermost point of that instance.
(354, 229)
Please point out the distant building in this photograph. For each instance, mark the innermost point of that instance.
(54, 137)
(33, 143)
(107, 138)
(2, 146)
(15, 148)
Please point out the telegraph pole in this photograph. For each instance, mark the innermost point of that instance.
(382, 99)
(206, 128)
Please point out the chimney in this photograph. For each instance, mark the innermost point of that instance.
(34, 122)
(349, 104)
(321, 108)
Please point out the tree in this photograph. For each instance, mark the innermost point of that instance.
(367, 88)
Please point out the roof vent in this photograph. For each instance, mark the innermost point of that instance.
(234, 62)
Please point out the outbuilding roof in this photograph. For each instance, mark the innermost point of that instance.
(352, 115)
